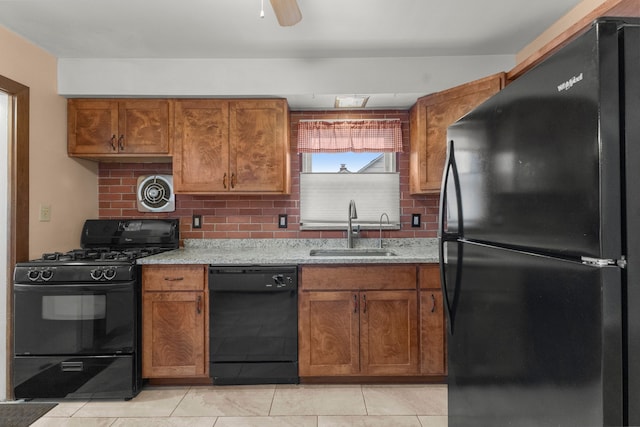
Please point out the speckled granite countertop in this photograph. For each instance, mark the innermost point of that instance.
(292, 251)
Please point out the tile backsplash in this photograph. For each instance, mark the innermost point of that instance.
(256, 217)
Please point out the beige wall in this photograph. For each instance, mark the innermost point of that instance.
(69, 186)
(581, 10)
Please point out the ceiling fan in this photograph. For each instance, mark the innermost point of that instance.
(287, 12)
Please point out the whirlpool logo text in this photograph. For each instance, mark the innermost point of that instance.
(569, 83)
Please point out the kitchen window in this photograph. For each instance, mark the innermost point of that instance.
(347, 160)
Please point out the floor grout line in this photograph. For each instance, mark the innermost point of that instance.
(180, 401)
(273, 398)
(374, 408)
(364, 400)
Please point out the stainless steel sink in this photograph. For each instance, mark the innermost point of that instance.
(343, 252)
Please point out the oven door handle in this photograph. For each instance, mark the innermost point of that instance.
(74, 289)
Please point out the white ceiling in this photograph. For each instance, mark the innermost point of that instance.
(232, 29)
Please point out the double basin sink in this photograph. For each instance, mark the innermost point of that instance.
(353, 252)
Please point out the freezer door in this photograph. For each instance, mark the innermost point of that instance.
(632, 147)
(539, 163)
(536, 341)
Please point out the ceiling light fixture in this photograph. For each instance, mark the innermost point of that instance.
(287, 11)
(355, 101)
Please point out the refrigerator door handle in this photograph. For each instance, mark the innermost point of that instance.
(450, 169)
(444, 236)
(599, 262)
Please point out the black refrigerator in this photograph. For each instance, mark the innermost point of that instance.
(540, 242)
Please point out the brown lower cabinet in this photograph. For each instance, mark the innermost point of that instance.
(433, 346)
(358, 321)
(174, 321)
(354, 321)
(358, 333)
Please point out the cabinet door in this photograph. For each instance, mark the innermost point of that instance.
(92, 126)
(259, 146)
(173, 336)
(143, 126)
(328, 333)
(433, 355)
(201, 146)
(429, 119)
(389, 332)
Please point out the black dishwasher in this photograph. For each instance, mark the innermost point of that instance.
(253, 326)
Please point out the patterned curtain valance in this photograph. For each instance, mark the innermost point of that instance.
(360, 136)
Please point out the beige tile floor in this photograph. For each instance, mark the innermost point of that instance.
(262, 406)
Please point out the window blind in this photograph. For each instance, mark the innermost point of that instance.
(324, 200)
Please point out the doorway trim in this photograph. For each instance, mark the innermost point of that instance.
(18, 199)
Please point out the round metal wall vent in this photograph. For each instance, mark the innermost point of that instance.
(155, 194)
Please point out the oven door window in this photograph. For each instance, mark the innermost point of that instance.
(57, 319)
(74, 307)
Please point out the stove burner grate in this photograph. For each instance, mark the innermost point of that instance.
(100, 254)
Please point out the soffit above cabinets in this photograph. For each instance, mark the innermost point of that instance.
(357, 46)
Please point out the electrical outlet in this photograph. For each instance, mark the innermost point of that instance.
(45, 213)
(196, 221)
(415, 220)
(282, 221)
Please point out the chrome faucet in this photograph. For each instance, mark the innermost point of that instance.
(353, 214)
(383, 215)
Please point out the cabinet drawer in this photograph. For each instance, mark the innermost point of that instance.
(173, 278)
(358, 277)
(429, 276)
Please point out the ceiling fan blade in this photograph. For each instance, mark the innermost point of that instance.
(287, 12)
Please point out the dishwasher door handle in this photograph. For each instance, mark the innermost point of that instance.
(72, 366)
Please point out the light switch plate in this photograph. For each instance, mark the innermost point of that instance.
(196, 221)
(45, 213)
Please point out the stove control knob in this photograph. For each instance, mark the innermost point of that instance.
(109, 273)
(46, 275)
(33, 275)
(96, 274)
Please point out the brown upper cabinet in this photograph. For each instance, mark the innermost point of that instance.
(106, 129)
(429, 119)
(223, 146)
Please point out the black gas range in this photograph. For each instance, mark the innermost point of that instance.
(108, 247)
(77, 313)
